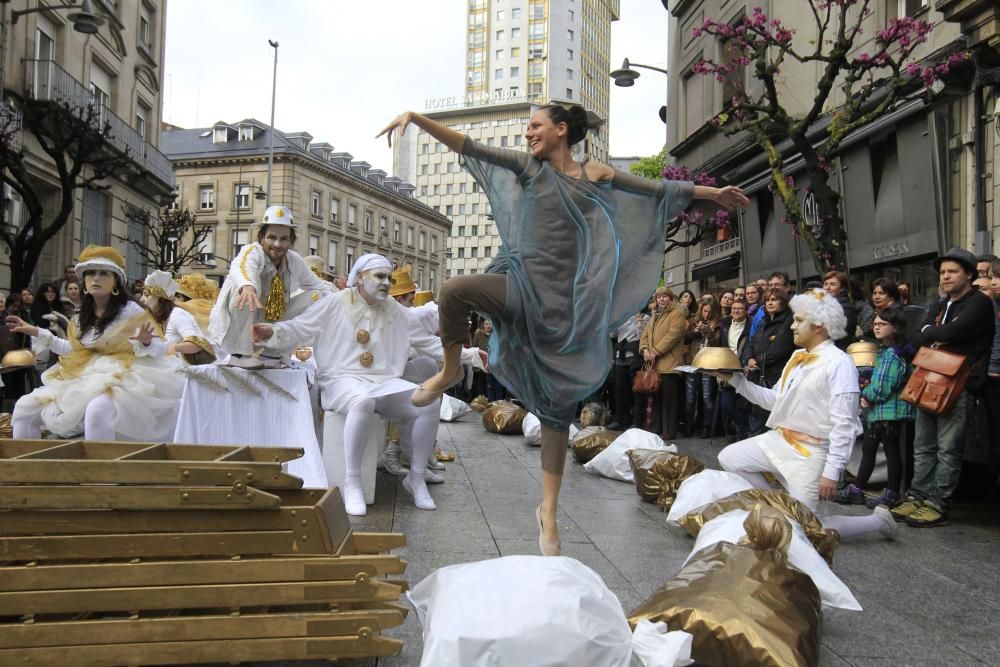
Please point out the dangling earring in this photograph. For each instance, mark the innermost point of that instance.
(114, 291)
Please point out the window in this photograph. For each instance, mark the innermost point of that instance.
(422, 244)
(910, 7)
(515, 33)
(220, 135)
(409, 236)
(515, 52)
(461, 188)
(383, 225)
(537, 10)
(206, 197)
(498, 74)
(569, 74)
(514, 72)
(572, 15)
(434, 243)
(474, 230)
(569, 54)
(397, 231)
(536, 50)
(734, 82)
(352, 215)
(420, 277)
(472, 251)
(498, 92)
(423, 149)
(314, 244)
(45, 50)
(315, 210)
(569, 93)
(246, 132)
(461, 230)
(461, 253)
(460, 272)
(515, 13)
(423, 190)
(499, 35)
(449, 210)
(569, 35)
(206, 250)
(499, 54)
(517, 139)
(241, 237)
(141, 113)
(437, 189)
(515, 91)
(350, 258)
(334, 209)
(423, 170)
(332, 252)
(241, 196)
(534, 70)
(475, 209)
(693, 102)
(175, 203)
(144, 31)
(489, 141)
(100, 90)
(369, 222)
(500, 16)
(433, 284)
(488, 251)
(503, 141)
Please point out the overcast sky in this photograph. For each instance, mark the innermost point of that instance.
(346, 68)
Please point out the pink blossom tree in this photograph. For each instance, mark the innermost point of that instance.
(692, 218)
(871, 84)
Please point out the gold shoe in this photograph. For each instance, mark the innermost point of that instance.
(547, 548)
(422, 397)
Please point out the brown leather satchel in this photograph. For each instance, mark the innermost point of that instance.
(937, 381)
(647, 380)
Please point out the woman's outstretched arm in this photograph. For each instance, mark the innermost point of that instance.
(729, 196)
(447, 136)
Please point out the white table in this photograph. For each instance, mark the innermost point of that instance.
(210, 416)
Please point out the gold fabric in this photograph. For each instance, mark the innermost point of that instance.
(479, 403)
(800, 358)
(158, 292)
(591, 441)
(206, 355)
(6, 426)
(824, 540)
(504, 417)
(659, 474)
(197, 286)
(200, 310)
(274, 306)
(114, 342)
(743, 603)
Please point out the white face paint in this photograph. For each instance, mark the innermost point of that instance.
(804, 332)
(375, 285)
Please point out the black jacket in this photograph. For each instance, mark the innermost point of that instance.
(852, 321)
(772, 346)
(968, 330)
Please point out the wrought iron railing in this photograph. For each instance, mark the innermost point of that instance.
(719, 248)
(46, 80)
(10, 126)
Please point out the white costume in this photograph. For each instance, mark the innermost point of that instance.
(229, 327)
(181, 326)
(361, 353)
(106, 386)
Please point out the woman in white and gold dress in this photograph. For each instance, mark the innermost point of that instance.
(113, 380)
(180, 329)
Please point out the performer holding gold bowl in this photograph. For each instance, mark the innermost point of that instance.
(112, 380)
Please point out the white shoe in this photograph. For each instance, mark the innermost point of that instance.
(354, 499)
(246, 362)
(391, 463)
(888, 528)
(418, 490)
(432, 477)
(433, 463)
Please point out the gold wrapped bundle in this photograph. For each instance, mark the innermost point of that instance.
(824, 540)
(659, 474)
(6, 426)
(503, 417)
(479, 403)
(743, 604)
(591, 441)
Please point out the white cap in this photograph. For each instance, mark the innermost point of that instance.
(160, 284)
(278, 215)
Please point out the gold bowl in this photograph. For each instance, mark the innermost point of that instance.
(716, 359)
(422, 297)
(18, 358)
(863, 353)
(303, 353)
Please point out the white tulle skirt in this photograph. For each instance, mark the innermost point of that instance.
(145, 394)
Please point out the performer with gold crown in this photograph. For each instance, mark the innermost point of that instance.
(270, 270)
(814, 418)
(180, 330)
(197, 294)
(112, 380)
(362, 343)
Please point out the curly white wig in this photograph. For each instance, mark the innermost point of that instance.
(822, 310)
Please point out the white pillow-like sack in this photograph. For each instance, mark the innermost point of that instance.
(521, 611)
(613, 461)
(654, 646)
(452, 408)
(833, 593)
(704, 488)
(532, 429)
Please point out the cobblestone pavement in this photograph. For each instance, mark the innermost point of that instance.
(930, 598)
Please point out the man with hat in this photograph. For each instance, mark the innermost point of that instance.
(362, 344)
(259, 287)
(961, 322)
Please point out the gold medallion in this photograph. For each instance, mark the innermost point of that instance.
(367, 359)
(363, 337)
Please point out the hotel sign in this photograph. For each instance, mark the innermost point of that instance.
(455, 101)
(891, 250)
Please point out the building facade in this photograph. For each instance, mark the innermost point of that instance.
(118, 70)
(343, 207)
(914, 182)
(540, 51)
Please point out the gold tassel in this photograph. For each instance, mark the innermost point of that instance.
(274, 307)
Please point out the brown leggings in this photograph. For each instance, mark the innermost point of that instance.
(487, 294)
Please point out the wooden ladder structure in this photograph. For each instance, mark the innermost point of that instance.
(115, 553)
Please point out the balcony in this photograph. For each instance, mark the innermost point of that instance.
(10, 126)
(46, 80)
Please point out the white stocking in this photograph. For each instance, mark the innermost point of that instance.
(97, 419)
(851, 527)
(24, 423)
(419, 427)
(357, 426)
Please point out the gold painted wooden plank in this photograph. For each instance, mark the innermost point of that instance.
(194, 597)
(152, 545)
(132, 471)
(195, 571)
(11, 448)
(193, 652)
(45, 497)
(373, 543)
(108, 450)
(262, 454)
(124, 630)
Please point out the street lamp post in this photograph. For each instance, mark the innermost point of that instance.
(270, 147)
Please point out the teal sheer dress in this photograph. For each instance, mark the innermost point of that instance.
(580, 257)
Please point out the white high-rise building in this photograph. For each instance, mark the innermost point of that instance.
(520, 55)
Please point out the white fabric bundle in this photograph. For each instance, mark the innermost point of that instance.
(833, 592)
(704, 488)
(532, 429)
(613, 461)
(654, 646)
(522, 611)
(452, 409)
